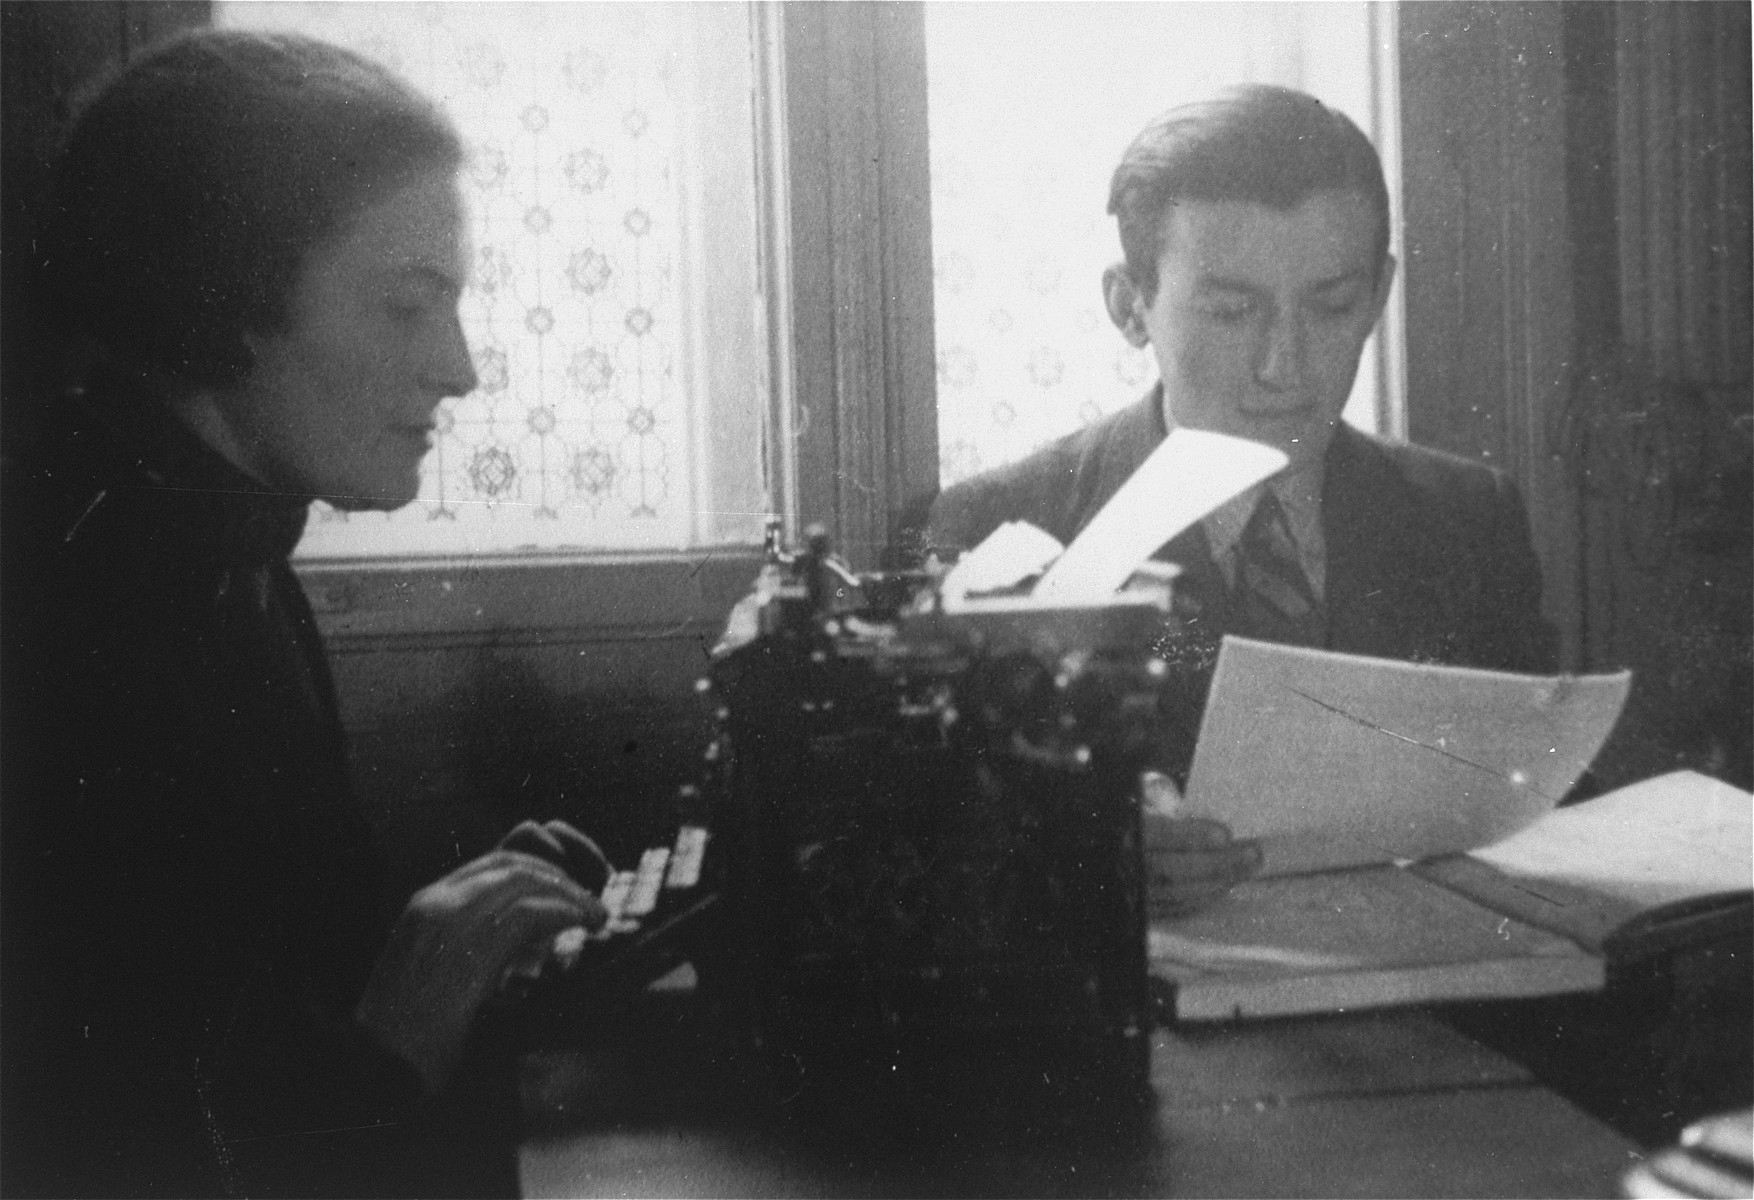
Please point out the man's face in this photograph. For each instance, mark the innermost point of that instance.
(340, 403)
(1261, 314)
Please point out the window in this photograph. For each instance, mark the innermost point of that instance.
(1031, 107)
(614, 310)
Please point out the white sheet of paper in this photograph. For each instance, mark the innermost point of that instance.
(1337, 760)
(1006, 557)
(1190, 473)
(1666, 839)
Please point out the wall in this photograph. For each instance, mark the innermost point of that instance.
(1659, 421)
(1578, 311)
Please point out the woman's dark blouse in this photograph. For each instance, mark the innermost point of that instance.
(191, 892)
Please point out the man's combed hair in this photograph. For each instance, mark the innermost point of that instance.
(197, 179)
(1257, 144)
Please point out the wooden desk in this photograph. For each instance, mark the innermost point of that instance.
(1393, 1104)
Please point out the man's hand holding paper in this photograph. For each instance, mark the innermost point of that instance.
(1190, 862)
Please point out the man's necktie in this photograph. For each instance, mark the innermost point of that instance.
(1271, 597)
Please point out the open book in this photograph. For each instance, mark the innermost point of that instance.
(1662, 863)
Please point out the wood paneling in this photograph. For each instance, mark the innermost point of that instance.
(477, 694)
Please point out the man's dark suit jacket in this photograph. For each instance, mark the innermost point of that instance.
(1428, 555)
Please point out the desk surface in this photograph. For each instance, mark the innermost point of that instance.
(1382, 1104)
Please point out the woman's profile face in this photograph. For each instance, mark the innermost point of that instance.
(340, 404)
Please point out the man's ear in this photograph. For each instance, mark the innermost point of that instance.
(1126, 307)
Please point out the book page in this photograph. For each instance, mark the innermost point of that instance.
(1336, 760)
(1591, 870)
(1366, 937)
(1670, 838)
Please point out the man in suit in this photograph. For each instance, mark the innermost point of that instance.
(1255, 230)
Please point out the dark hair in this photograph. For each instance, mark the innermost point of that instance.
(1256, 143)
(197, 179)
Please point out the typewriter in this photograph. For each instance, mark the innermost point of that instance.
(911, 870)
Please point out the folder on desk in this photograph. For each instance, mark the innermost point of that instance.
(1414, 852)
